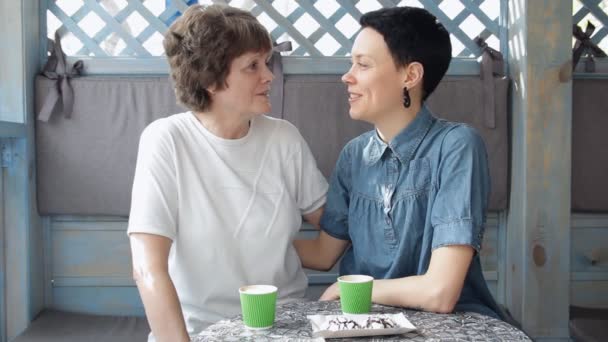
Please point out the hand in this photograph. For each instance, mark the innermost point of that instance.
(331, 293)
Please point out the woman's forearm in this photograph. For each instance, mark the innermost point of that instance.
(416, 292)
(321, 253)
(310, 254)
(437, 290)
(162, 306)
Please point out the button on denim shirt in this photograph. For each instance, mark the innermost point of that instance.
(397, 202)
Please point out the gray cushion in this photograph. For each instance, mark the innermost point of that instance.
(58, 326)
(589, 158)
(85, 164)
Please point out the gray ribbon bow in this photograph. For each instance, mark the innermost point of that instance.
(491, 64)
(584, 43)
(56, 69)
(276, 65)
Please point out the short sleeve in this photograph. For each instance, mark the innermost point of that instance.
(463, 188)
(311, 185)
(154, 195)
(335, 216)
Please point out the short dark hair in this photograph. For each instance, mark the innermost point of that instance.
(202, 43)
(414, 35)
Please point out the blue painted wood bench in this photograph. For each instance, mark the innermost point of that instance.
(59, 326)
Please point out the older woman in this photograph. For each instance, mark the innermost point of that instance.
(407, 200)
(220, 190)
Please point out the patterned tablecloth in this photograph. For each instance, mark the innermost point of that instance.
(291, 324)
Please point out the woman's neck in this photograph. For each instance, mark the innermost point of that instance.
(223, 126)
(390, 124)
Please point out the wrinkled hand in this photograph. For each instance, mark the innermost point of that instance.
(332, 293)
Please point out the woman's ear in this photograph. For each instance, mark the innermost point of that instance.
(414, 73)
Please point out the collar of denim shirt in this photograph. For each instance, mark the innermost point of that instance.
(403, 144)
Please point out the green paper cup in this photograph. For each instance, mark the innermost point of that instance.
(356, 293)
(258, 303)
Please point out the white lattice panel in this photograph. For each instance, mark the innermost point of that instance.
(596, 12)
(135, 28)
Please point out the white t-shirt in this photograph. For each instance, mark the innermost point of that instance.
(231, 207)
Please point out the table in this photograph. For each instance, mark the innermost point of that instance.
(291, 324)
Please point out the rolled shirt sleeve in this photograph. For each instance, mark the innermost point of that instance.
(463, 188)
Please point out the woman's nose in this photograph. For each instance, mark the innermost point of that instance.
(347, 78)
(268, 76)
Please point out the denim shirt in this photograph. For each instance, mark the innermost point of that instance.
(397, 202)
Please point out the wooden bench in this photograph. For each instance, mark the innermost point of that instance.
(588, 324)
(60, 326)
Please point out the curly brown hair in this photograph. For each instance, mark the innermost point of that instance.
(202, 43)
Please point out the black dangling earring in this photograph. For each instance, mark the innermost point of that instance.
(406, 98)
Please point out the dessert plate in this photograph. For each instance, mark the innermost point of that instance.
(333, 326)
